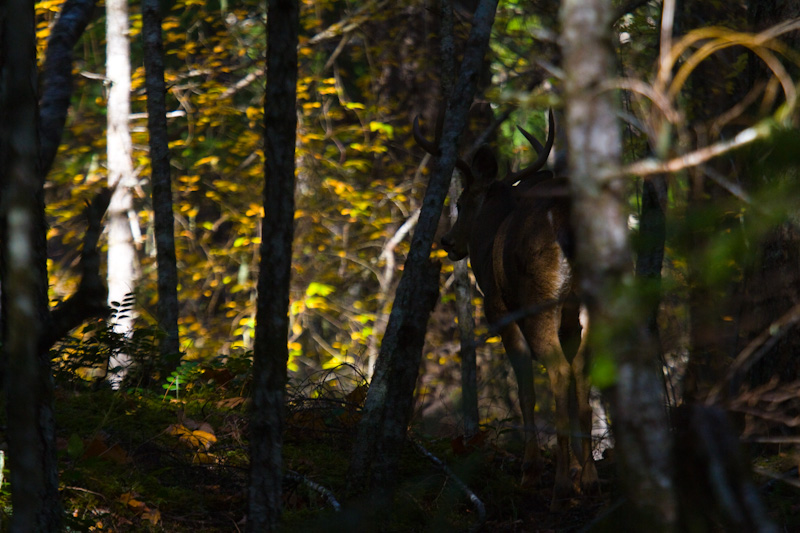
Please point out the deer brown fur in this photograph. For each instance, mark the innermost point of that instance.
(519, 243)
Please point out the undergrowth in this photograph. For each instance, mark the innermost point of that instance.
(168, 452)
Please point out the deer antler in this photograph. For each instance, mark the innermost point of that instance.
(543, 151)
(432, 147)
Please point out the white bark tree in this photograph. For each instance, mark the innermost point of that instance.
(616, 306)
(122, 265)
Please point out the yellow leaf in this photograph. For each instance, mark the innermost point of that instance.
(209, 159)
(230, 403)
(178, 430)
(203, 458)
(129, 500)
(153, 516)
(204, 438)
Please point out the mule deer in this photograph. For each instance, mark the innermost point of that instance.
(518, 239)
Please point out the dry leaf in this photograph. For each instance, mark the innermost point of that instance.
(231, 403)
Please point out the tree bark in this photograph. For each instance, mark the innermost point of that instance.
(387, 411)
(650, 251)
(462, 287)
(617, 333)
(162, 187)
(28, 327)
(121, 251)
(23, 269)
(270, 353)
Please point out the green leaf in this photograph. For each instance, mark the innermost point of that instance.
(74, 446)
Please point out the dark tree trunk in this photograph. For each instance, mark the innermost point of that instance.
(617, 331)
(270, 353)
(28, 327)
(462, 287)
(162, 188)
(28, 385)
(650, 250)
(466, 332)
(387, 411)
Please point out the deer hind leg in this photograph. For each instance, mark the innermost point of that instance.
(580, 369)
(542, 334)
(520, 357)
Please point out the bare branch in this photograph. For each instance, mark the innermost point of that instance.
(476, 502)
(651, 166)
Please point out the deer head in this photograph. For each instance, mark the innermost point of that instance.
(480, 181)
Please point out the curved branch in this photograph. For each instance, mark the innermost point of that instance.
(57, 76)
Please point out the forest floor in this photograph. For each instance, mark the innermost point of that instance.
(150, 461)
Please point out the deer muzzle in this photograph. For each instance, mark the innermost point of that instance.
(453, 250)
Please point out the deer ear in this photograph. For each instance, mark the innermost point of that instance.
(484, 165)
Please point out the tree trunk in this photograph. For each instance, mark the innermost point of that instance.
(28, 328)
(271, 353)
(162, 188)
(650, 251)
(387, 411)
(121, 251)
(23, 269)
(462, 287)
(617, 333)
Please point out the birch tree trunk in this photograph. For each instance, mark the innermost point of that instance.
(271, 352)
(619, 332)
(162, 187)
(121, 251)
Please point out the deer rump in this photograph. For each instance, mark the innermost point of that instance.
(521, 236)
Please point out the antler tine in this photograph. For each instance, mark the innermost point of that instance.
(430, 147)
(543, 151)
(433, 149)
(531, 139)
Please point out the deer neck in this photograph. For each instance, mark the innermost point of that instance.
(498, 204)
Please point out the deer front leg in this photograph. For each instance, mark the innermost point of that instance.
(520, 357)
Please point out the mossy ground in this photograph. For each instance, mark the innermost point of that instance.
(141, 460)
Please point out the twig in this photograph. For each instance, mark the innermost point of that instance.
(786, 478)
(756, 349)
(650, 166)
(327, 494)
(476, 502)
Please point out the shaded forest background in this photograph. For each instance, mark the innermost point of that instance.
(168, 450)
